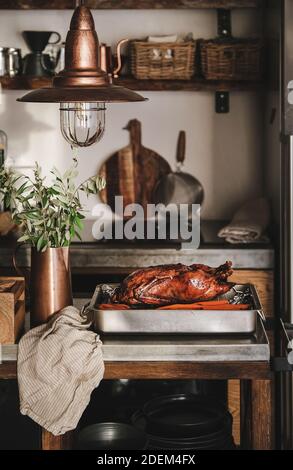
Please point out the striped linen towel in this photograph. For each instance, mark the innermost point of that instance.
(249, 223)
(60, 363)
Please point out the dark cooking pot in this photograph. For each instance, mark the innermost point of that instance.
(139, 421)
(111, 436)
(184, 415)
(213, 440)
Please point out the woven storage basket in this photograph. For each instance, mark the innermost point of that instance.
(232, 59)
(166, 61)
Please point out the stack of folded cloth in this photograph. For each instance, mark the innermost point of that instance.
(163, 39)
(249, 223)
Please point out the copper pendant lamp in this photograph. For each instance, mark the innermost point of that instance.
(82, 88)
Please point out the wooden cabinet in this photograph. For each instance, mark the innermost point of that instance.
(264, 283)
(129, 4)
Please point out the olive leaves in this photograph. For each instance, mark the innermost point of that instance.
(50, 215)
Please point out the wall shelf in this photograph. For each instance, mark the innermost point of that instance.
(129, 4)
(196, 84)
(24, 83)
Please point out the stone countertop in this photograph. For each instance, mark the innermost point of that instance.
(92, 256)
(132, 255)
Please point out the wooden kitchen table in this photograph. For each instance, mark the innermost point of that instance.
(255, 377)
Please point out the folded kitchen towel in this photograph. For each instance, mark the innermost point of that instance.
(163, 39)
(249, 223)
(59, 364)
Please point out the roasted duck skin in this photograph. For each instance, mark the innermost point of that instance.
(173, 284)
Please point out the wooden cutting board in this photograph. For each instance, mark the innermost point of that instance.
(133, 171)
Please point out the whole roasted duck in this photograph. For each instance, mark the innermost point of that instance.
(173, 283)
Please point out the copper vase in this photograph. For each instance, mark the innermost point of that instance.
(50, 284)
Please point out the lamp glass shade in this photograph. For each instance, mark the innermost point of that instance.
(82, 124)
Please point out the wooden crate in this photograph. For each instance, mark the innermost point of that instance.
(12, 308)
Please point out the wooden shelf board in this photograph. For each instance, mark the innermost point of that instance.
(24, 83)
(171, 370)
(129, 4)
(197, 84)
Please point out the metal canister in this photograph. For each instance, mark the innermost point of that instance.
(3, 61)
(13, 61)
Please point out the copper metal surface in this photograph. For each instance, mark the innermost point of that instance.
(111, 93)
(119, 59)
(81, 53)
(82, 76)
(105, 58)
(50, 285)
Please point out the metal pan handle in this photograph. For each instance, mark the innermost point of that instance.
(180, 153)
(262, 315)
(86, 312)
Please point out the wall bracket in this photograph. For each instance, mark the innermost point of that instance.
(222, 102)
(224, 23)
(222, 98)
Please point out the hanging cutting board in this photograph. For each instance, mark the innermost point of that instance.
(133, 172)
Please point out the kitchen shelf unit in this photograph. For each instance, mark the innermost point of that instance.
(196, 84)
(129, 4)
(256, 375)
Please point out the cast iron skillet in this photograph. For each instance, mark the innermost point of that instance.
(111, 436)
(184, 415)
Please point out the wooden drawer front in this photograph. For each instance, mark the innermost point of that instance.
(12, 309)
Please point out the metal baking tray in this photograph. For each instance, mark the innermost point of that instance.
(154, 321)
(188, 347)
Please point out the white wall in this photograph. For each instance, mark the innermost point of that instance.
(223, 151)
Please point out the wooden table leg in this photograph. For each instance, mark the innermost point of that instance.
(261, 414)
(51, 442)
(234, 406)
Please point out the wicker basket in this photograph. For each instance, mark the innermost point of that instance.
(166, 61)
(232, 59)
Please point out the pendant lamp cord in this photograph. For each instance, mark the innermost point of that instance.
(78, 3)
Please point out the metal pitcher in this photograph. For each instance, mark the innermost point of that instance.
(50, 283)
(14, 61)
(106, 61)
(10, 61)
